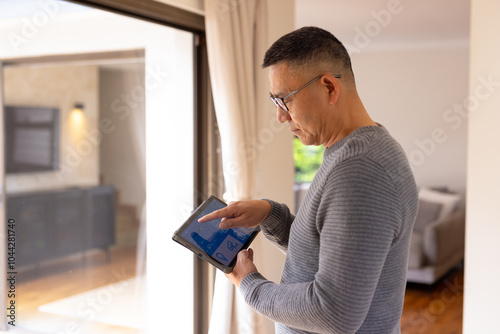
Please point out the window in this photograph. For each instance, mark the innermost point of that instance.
(307, 160)
(133, 148)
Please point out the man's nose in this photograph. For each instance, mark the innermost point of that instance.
(282, 116)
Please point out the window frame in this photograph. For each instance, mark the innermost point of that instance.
(152, 11)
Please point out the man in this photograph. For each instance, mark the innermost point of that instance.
(347, 248)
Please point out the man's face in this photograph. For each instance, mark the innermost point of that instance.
(307, 109)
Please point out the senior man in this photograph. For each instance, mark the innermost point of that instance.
(347, 247)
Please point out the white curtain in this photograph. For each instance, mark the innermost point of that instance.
(236, 39)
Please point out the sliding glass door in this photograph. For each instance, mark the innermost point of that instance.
(92, 228)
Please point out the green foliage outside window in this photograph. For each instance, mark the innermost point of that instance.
(307, 160)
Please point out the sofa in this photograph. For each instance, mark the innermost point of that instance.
(438, 239)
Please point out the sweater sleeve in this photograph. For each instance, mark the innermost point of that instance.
(276, 226)
(357, 220)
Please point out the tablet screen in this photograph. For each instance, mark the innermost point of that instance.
(221, 245)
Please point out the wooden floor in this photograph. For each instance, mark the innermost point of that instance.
(67, 278)
(436, 309)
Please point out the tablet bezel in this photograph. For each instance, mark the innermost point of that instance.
(177, 237)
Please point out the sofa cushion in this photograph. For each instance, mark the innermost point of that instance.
(427, 213)
(449, 201)
(444, 238)
(417, 257)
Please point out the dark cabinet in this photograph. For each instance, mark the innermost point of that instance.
(32, 214)
(69, 222)
(57, 223)
(99, 200)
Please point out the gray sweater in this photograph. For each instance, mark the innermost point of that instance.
(347, 248)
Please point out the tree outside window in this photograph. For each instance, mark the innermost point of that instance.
(307, 161)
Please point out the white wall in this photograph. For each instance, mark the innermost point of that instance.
(414, 94)
(60, 87)
(275, 168)
(121, 152)
(275, 176)
(482, 249)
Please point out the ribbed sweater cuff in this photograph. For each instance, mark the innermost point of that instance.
(272, 221)
(249, 282)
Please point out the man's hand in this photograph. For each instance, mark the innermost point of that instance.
(244, 266)
(240, 214)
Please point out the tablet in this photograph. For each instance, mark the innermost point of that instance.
(211, 243)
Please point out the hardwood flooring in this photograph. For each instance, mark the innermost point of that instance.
(67, 278)
(436, 309)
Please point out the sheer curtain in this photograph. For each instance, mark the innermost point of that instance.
(236, 39)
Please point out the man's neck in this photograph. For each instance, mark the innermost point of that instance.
(352, 115)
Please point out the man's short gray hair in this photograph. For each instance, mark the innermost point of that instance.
(310, 47)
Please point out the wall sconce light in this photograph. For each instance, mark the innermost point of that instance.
(77, 116)
(78, 107)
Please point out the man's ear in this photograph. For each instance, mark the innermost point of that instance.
(333, 86)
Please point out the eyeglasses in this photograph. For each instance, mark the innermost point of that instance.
(280, 101)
